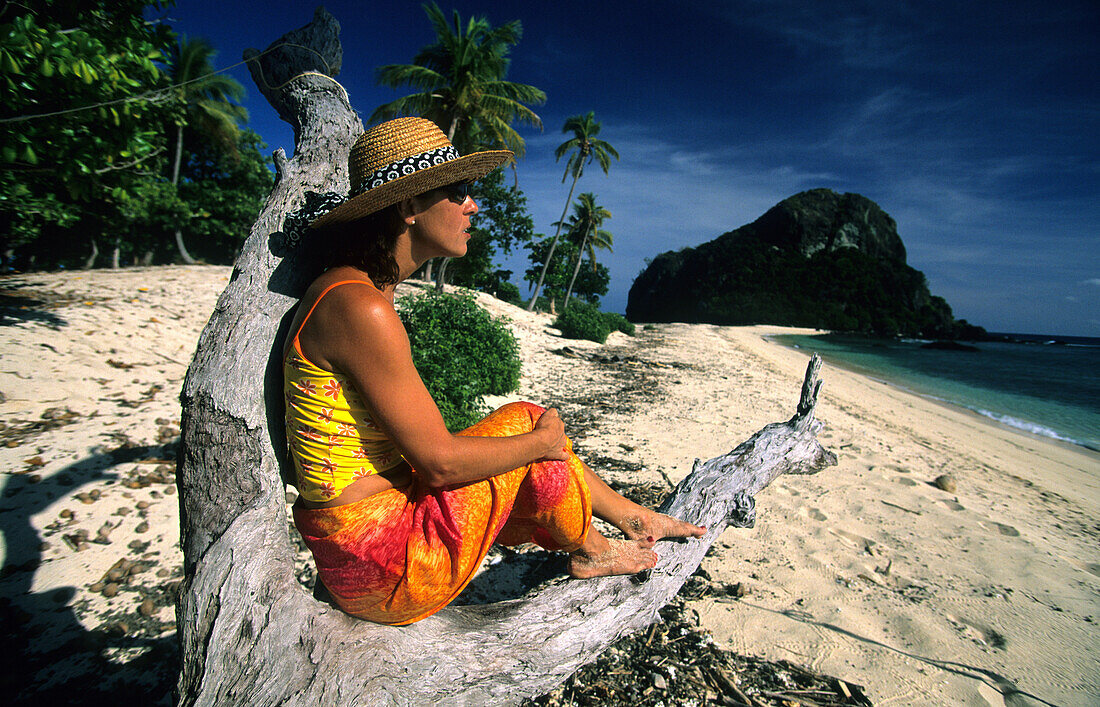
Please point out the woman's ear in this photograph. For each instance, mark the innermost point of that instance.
(407, 210)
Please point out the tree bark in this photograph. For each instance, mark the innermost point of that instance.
(249, 633)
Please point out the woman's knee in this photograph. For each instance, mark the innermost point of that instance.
(522, 407)
(507, 420)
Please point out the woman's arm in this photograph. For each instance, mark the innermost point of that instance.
(356, 331)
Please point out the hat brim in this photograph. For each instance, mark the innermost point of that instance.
(468, 168)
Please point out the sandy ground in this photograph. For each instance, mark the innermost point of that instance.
(989, 594)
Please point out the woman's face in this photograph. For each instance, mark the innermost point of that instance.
(440, 224)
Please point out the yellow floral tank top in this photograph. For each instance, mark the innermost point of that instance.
(332, 437)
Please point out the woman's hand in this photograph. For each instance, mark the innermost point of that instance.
(550, 426)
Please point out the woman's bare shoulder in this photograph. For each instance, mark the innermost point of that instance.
(353, 308)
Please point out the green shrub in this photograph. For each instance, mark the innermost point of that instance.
(509, 293)
(461, 353)
(618, 322)
(583, 321)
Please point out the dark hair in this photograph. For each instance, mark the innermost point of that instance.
(366, 243)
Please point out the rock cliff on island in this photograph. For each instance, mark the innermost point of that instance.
(817, 259)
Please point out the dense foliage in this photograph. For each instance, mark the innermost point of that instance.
(461, 353)
(586, 321)
(618, 322)
(90, 133)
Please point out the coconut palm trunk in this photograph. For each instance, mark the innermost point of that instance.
(553, 245)
(576, 267)
(89, 262)
(184, 255)
(441, 274)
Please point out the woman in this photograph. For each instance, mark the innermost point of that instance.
(399, 512)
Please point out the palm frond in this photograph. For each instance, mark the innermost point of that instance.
(418, 77)
(417, 104)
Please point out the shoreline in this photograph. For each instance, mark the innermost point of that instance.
(1019, 424)
(986, 415)
(865, 571)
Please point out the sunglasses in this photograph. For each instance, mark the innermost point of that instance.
(457, 192)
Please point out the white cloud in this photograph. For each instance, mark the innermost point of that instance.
(1092, 281)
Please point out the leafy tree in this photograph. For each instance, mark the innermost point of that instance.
(583, 321)
(461, 353)
(584, 226)
(462, 86)
(205, 103)
(76, 127)
(557, 270)
(585, 147)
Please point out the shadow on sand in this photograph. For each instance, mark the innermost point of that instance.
(51, 657)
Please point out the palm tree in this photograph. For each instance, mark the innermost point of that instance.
(462, 84)
(206, 99)
(585, 222)
(463, 89)
(585, 147)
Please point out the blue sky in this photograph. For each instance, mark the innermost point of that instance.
(973, 124)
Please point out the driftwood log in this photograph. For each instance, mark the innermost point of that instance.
(249, 632)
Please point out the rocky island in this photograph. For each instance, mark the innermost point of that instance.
(817, 259)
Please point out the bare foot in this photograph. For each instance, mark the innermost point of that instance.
(619, 557)
(648, 526)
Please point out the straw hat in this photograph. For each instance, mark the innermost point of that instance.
(400, 159)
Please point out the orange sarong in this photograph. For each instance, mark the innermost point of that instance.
(401, 555)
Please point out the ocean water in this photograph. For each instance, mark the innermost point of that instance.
(1048, 389)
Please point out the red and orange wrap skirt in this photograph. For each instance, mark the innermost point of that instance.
(401, 555)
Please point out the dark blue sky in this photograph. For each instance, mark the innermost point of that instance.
(973, 124)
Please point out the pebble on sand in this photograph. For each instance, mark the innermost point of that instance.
(945, 482)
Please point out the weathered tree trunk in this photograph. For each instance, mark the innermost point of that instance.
(249, 633)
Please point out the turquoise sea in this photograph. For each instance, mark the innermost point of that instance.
(1045, 385)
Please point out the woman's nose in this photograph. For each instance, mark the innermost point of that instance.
(472, 205)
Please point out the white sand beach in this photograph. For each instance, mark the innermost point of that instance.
(985, 595)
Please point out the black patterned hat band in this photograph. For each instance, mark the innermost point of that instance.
(407, 166)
